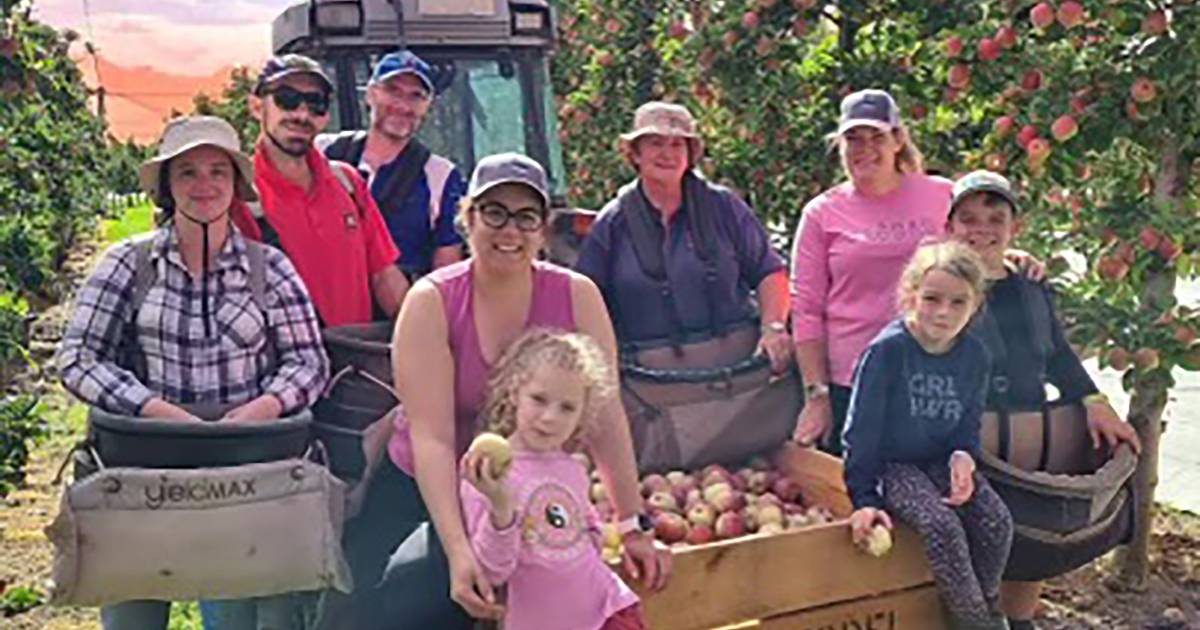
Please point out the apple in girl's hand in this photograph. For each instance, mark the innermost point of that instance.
(599, 493)
(496, 448)
(878, 542)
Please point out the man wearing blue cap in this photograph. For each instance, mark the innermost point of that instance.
(417, 191)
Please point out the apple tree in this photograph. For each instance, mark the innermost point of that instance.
(1089, 105)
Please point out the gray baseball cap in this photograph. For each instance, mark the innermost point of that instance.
(508, 168)
(984, 181)
(873, 108)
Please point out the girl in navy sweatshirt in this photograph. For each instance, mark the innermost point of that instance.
(912, 434)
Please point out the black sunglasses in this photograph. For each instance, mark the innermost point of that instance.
(290, 99)
(496, 215)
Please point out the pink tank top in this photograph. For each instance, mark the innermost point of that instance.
(551, 307)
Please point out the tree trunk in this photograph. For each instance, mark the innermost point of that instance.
(1149, 396)
(1146, 407)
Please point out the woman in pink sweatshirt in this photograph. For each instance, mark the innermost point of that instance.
(530, 522)
(852, 243)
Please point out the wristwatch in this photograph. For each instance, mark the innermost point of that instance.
(815, 390)
(775, 327)
(639, 523)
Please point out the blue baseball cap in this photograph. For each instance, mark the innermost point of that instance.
(403, 62)
(873, 108)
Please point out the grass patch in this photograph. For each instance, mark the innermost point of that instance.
(133, 220)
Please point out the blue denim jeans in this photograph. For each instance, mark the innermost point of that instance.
(288, 611)
(145, 614)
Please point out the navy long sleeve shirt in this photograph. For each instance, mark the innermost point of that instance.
(1025, 338)
(910, 406)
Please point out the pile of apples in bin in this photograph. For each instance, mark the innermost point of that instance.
(716, 504)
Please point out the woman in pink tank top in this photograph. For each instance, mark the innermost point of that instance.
(454, 324)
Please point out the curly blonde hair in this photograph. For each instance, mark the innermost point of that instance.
(952, 257)
(574, 352)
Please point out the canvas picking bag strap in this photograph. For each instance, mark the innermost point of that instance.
(710, 401)
(215, 533)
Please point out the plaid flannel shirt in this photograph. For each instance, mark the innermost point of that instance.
(182, 364)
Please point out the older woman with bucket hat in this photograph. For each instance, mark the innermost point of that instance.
(192, 316)
(454, 325)
(685, 264)
(665, 201)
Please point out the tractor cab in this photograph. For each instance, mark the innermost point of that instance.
(490, 60)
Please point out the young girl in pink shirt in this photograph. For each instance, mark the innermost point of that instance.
(530, 523)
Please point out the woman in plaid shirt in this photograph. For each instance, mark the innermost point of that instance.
(159, 327)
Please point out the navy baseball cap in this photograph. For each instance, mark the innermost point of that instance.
(403, 62)
(508, 168)
(285, 65)
(873, 108)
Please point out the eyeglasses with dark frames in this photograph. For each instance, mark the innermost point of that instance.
(496, 215)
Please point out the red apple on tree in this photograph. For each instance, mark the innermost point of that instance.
(1006, 35)
(1003, 126)
(1031, 80)
(1025, 135)
(1143, 90)
(954, 46)
(989, 49)
(679, 30)
(1070, 14)
(1042, 15)
(1150, 238)
(1146, 359)
(750, 20)
(959, 76)
(1155, 23)
(1118, 358)
(1064, 128)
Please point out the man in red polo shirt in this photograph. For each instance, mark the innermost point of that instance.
(337, 240)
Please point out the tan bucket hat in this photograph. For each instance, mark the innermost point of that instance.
(188, 132)
(664, 119)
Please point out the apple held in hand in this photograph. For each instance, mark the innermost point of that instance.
(497, 450)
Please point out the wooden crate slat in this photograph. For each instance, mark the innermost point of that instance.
(913, 609)
(760, 576)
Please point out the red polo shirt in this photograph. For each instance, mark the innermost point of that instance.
(336, 245)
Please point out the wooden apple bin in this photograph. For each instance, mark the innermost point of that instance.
(804, 579)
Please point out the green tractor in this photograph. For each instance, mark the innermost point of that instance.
(491, 68)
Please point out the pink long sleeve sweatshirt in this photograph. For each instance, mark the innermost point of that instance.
(847, 257)
(549, 556)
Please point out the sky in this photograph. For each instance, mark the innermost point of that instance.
(192, 37)
(155, 55)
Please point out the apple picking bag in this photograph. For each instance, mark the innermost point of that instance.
(210, 533)
(708, 402)
(709, 398)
